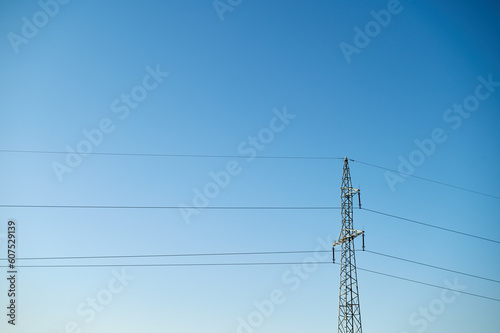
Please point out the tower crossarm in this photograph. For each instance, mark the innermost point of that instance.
(352, 234)
(349, 191)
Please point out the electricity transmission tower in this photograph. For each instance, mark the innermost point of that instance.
(349, 311)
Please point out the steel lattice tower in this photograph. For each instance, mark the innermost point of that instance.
(349, 310)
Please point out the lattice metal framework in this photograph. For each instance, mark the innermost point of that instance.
(349, 310)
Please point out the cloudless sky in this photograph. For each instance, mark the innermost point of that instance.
(230, 72)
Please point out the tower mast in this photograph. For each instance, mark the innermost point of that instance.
(349, 309)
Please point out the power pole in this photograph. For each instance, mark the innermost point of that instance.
(349, 311)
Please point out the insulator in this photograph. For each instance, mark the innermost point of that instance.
(333, 254)
(363, 237)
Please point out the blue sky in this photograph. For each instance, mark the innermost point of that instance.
(228, 80)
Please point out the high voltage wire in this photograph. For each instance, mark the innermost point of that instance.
(170, 255)
(428, 284)
(241, 156)
(174, 155)
(433, 226)
(429, 180)
(175, 207)
(164, 265)
(254, 264)
(249, 208)
(245, 253)
(432, 266)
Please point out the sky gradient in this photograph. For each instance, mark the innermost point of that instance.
(420, 92)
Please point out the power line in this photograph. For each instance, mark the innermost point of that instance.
(163, 265)
(241, 254)
(428, 284)
(58, 152)
(175, 207)
(169, 255)
(245, 208)
(434, 226)
(171, 155)
(432, 266)
(429, 180)
(251, 264)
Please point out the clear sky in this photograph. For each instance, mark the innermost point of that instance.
(412, 85)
